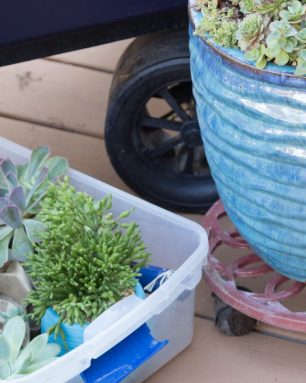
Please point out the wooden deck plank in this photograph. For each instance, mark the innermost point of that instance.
(87, 154)
(55, 95)
(103, 57)
(215, 358)
(84, 153)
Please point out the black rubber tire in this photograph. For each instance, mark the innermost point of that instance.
(149, 64)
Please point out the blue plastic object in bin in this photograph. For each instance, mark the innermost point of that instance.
(119, 362)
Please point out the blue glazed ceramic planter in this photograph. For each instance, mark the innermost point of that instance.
(253, 125)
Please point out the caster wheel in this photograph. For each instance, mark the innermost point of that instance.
(230, 321)
(152, 134)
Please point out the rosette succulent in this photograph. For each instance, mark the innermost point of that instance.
(250, 32)
(22, 188)
(281, 42)
(295, 13)
(15, 361)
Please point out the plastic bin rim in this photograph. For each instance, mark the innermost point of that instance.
(167, 293)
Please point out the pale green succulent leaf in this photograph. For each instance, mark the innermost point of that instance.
(302, 54)
(295, 7)
(35, 347)
(5, 231)
(301, 35)
(21, 172)
(57, 166)
(21, 363)
(5, 370)
(28, 369)
(289, 46)
(12, 178)
(282, 42)
(3, 191)
(3, 181)
(38, 158)
(17, 197)
(21, 246)
(4, 244)
(8, 166)
(282, 58)
(11, 215)
(43, 174)
(33, 227)
(300, 70)
(14, 332)
(51, 350)
(4, 202)
(5, 350)
(261, 63)
(252, 55)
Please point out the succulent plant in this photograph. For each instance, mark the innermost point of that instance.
(247, 6)
(301, 69)
(257, 55)
(271, 8)
(21, 190)
(294, 13)
(267, 30)
(13, 312)
(250, 32)
(281, 42)
(220, 24)
(15, 362)
(90, 258)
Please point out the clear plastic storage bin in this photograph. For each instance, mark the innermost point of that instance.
(175, 243)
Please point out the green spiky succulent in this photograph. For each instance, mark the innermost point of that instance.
(21, 189)
(266, 30)
(15, 362)
(90, 258)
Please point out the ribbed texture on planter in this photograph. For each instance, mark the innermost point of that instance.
(253, 124)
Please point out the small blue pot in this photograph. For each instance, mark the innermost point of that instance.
(74, 334)
(253, 125)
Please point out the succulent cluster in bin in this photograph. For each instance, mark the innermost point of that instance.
(266, 30)
(22, 188)
(15, 361)
(90, 257)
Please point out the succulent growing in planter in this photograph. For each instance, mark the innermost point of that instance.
(253, 123)
(266, 30)
(90, 258)
(21, 189)
(16, 362)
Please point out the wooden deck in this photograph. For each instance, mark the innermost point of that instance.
(62, 101)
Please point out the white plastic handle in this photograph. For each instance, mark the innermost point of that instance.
(108, 317)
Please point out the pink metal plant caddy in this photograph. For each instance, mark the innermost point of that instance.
(222, 278)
